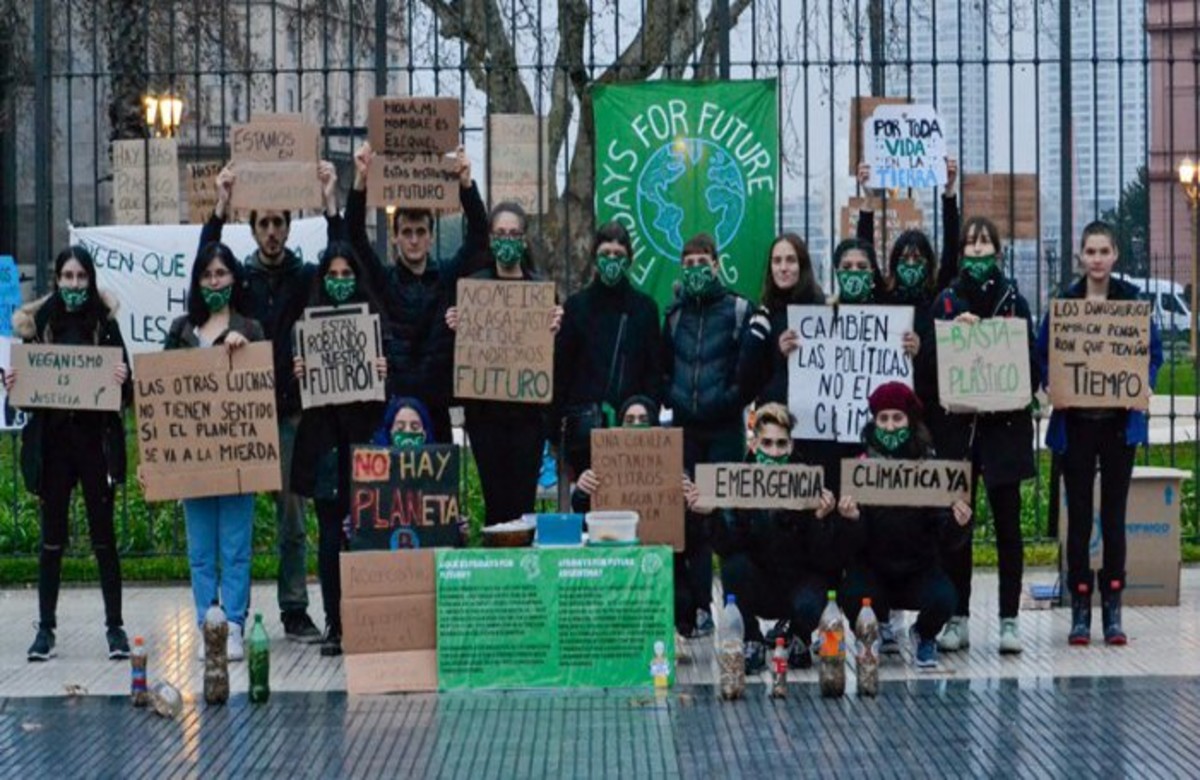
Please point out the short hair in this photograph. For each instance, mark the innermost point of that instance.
(412, 215)
(610, 232)
(1098, 228)
(287, 217)
(773, 414)
(700, 244)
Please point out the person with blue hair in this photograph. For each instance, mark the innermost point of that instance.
(406, 423)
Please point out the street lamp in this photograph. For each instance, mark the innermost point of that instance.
(163, 113)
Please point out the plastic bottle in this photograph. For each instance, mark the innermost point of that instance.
(832, 671)
(216, 655)
(779, 669)
(139, 690)
(731, 650)
(660, 668)
(866, 631)
(260, 662)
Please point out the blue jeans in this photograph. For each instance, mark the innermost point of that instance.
(218, 533)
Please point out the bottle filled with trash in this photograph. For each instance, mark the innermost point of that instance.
(216, 655)
(731, 651)
(139, 690)
(866, 631)
(260, 662)
(779, 669)
(832, 629)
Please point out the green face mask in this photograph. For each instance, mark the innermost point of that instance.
(910, 276)
(855, 286)
(763, 459)
(891, 441)
(403, 440)
(216, 300)
(979, 269)
(611, 268)
(73, 299)
(697, 279)
(508, 251)
(340, 290)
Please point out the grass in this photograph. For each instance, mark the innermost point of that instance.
(1176, 377)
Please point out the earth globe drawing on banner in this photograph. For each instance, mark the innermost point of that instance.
(667, 188)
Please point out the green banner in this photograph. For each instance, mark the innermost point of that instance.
(676, 158)
(551, 618)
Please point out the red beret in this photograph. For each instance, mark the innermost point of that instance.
(895, 395)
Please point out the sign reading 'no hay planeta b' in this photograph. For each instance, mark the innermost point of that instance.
(678, 158)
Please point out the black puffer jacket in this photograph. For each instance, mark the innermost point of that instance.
(703, 340)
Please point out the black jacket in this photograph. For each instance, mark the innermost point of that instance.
(31, 322)
(763, 369)
(703, 341)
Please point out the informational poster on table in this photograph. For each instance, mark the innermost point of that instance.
(577, 618)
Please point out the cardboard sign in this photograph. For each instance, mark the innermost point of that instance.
(1099, 354)
(207, 422)
(845, 353)
(983, 367)
(1010, 200)
(751, 486)
(503, 348)
(887, 482)
(339, 349)
(641, 470)
(59, 377)
(405, 499)
(900, 215)
(201, 190)
(415, 181)
(276, 165)
(130, 169)
(905, 147)
(413, 125)
(861, 109)
(521, 170)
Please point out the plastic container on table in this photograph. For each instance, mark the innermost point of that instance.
(558, 530)
(612, 527)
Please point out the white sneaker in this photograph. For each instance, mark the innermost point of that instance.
(956, 635)
(1010, 637)
(234, 645)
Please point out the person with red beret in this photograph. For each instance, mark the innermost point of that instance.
(900, 565)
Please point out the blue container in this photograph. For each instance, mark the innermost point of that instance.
(559, 530)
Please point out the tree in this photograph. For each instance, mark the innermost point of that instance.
(1131, 220)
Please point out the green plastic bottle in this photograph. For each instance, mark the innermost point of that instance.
(260, 662)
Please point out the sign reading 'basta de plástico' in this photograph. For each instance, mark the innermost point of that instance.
(678, 158)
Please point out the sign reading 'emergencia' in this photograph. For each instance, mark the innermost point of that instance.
(674, 159)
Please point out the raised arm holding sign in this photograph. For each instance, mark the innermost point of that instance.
(905, 147)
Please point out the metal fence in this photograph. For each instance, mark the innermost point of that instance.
(1093, 103)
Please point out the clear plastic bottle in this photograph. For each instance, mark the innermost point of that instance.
(779, 669)
(139, 690)
(866, 631)
(260, 662)
(832, 629)
(731, 650)
(216, 655)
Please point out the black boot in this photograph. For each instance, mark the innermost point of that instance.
(1081, 616)
(1110, 611)
(331, 643)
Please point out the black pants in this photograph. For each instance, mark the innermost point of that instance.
(930, 593)
(693, 566)
(75, 455)
(760, 594)
(1090, 441)
(1005, 502)
(443, 431)
(508, 454)
(331, 542)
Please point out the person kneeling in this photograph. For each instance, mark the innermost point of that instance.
(899, 565)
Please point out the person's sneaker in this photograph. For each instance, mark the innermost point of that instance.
(1010, 637)
(118, 644)
(888, 644)
(331, 643)
(42, 648)
(925, 651)
(235, 646)
(955, 636)
(756, 658)
(298, 627)
(799, 655)
(704, 624)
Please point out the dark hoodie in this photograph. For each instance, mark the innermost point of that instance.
(581, 502)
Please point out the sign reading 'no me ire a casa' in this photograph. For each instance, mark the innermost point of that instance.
(503, 347)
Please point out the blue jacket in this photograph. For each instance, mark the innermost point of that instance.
(1137, 429)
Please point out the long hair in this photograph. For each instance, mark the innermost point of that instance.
(914, 240)
(851, 244)
(197, 311)
(529, 261)
(94, 309)
(807, 290)
(362, 289)
(383, 434)
(976, 225)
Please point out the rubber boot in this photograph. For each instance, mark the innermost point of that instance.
(1110, 612)
(1081, 616)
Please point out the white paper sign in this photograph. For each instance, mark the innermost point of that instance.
(10, 419)
(905, 147)
(845, 353)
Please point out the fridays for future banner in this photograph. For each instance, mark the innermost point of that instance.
(678, 158)
(149, 267)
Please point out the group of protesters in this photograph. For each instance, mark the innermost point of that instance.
(715, 360)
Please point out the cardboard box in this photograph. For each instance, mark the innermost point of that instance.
(1152, 557)
(410, 670)
(389, 623)
(387, 573)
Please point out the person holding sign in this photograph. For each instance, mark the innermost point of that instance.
(506, 437)
(998, 444)
(779, 562)
(219, 528)
(638, 411)
(703, 343)
(277, 284)
(900, 564)
(1097, 439)
(414, 288)
(61, 448)
(608, 348)
(326, 435)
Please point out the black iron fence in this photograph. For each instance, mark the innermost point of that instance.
(1058, 112)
